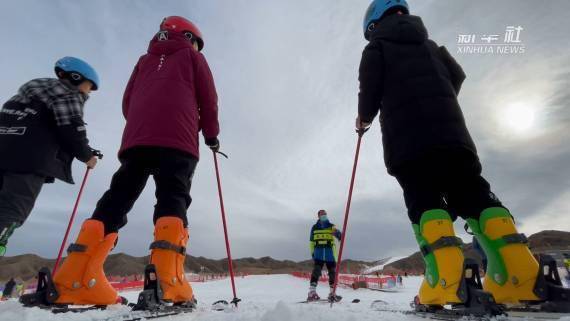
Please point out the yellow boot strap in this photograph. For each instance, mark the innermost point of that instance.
(442, 242)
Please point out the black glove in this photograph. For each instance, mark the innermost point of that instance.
(213, 143)
(97, 153)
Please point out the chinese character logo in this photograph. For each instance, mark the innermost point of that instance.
(491, 43)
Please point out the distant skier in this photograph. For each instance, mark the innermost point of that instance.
(170, 97)
(20, 289)
(323, 252)
(41, 132)
(414, 83)
(8, 289)
(567, 267)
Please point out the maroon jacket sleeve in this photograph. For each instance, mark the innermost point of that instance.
(207, 98)
(128, 90)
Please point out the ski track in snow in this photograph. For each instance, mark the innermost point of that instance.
(264, 298)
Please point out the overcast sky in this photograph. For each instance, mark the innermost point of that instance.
(286, 74)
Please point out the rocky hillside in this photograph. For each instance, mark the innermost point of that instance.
(541, 242)
(26, 266)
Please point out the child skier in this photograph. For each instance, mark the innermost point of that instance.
(169, 98)
(323, 252)
(414, 83)
(41, 132)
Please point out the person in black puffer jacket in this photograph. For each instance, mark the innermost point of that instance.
(414, 84)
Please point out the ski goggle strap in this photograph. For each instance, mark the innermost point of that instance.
(190, 37)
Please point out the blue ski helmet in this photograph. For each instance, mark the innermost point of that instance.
(377, 9)
(79, 67)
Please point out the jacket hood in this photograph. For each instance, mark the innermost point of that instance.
(173, 42)
(401, 28)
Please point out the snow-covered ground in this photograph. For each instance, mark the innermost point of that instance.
(264, 298)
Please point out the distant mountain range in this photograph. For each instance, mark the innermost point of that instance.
(26, 266)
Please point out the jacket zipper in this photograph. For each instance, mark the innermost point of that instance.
(162, 58)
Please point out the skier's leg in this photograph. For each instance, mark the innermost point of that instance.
(511, 268)
(173, 179)
(443, 258)
(5, 233)
(126, 186)
(422, 191)
(331, 267)
(433, 229)
(315, 276)
(81, 279)
(18, 194)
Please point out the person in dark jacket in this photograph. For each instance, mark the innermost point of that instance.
(8, 289)
(41, 132)
(323, 252)
(414, 84)
(168, 100)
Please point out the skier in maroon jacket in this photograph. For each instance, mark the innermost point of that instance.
(170, 97)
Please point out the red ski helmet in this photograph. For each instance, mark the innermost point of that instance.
(182, 25)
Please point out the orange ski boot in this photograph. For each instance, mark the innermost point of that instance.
(81, 279)
(168, 255)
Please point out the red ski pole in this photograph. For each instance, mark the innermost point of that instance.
(235, 300)
(100, 156)
(346, 212)
(71, 220)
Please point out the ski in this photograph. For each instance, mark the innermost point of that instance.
(450, 314)
(325, 301)
(71, 309)
(220, 305)
(143, 315)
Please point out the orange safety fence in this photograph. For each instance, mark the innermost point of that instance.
(133, 282)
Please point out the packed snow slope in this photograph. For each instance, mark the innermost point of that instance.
(264, 298)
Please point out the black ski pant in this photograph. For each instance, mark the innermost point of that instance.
(449, 180)
(18, 194)
(172, 171)
(317, 270)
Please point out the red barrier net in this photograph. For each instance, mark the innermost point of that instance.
(136, 282)
(356, 281)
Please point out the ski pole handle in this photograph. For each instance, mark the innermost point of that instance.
(221, 153)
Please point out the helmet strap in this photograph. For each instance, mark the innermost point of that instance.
(74, 78)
